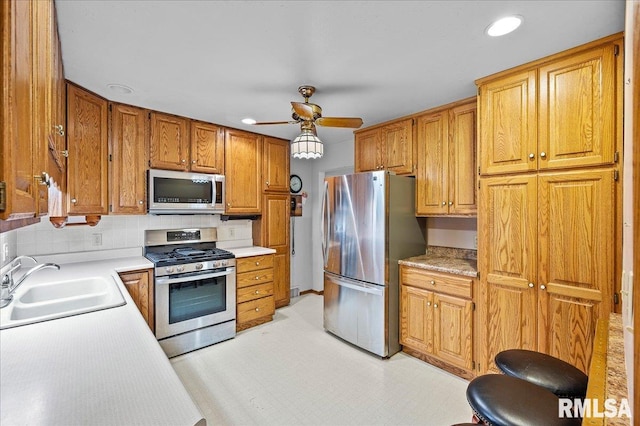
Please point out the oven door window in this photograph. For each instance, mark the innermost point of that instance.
(197, 298)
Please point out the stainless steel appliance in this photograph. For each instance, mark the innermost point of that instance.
(172, 192)
(195, 289)
(369, 224)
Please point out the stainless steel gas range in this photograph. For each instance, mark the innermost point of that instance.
(195, 289)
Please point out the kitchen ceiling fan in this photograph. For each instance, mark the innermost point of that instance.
(309, 115)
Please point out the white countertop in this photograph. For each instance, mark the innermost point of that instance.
(99, 368)
(251, 251)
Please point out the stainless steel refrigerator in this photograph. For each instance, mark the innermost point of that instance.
(369, 224)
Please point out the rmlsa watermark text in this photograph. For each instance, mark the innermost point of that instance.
(586, 408)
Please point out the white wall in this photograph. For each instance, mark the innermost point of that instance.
(452, 232)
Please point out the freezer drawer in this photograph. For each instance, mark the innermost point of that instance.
(356, 312)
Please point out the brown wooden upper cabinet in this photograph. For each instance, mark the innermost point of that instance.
(178, 143)
(243, 164)
(87, 186)
(386, 147)
(129, 148)
(446, 158)
(559, 112)
(275, 165)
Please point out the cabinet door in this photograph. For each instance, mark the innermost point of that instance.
(462, 160)
(397, 147)
(243, 164)
(129, 158)
(507, 259)
(576, 275)
(87, 143)
(453, 330)
(275, 165)
(169, 142)
(207, 148)
(416, 318)
(508, 120)
(577, 99)
(275, 228)
(433, 167)
(139, 284)
(368, 156)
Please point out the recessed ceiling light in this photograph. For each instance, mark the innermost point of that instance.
(120, 88)
(248, 121)
(504, 25)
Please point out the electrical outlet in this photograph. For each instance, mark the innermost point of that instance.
(96, 239)
(5, 251)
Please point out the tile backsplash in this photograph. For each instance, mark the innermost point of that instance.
(112, 232)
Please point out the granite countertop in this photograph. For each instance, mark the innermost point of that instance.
(616, 387)
(103, 367)
(444, 259)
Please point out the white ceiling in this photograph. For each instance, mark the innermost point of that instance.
(221, 61)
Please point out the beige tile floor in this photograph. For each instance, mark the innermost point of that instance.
(291, 372)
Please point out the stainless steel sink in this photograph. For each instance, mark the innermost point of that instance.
(48, 301)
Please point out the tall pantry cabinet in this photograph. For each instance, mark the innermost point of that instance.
(550, 135)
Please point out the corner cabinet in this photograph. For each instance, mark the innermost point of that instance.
(87, 187)
(386, 147)
(254, 291)
(140, 286)
(437, 319)
(129, 156)
(243, 165)
(446, 160)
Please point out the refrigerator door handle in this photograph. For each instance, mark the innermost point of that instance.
(359, 286)
(325, 223)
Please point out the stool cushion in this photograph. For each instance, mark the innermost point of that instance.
(506, 401)
(561, 378)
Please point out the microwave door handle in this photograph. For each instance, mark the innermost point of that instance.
(164, 280)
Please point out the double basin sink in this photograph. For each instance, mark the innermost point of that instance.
(58, 299)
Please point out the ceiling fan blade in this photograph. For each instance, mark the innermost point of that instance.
(304, 110)
(274, 122)
(352, 122)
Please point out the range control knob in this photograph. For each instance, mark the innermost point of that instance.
(180, 268)
(169, 269)
(198, 266)
(224, 262)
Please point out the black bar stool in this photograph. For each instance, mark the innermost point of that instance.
(501, 400)
(553, 374)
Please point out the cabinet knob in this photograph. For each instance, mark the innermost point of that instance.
(193, 161)
(542, 286)
(228, 204)
(140, 202)
(428, 303)
(444, 203)
(532, 156)
(183, 161)
(432, 282)
(543, 154)
(530, 285)
(45, 179)
(257, 292)
(450, 203)
(257, 263)
(257, 277)
(73, 200)
(435, 305)
(59, 129)
(257, 309)
(267, 183)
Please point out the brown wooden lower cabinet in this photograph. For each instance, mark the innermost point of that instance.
(140, 286)
(436, 319)
(254, 291)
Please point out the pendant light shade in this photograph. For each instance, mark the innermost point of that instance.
(306, 145)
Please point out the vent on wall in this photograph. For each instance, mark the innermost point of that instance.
(295, 292)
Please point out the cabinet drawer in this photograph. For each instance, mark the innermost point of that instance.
(254, 292)
(246, 264)
(254, 277)
(455, 285)
(254, 309)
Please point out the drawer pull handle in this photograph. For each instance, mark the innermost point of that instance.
(432, 282)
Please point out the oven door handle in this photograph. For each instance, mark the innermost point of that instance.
(164, 281)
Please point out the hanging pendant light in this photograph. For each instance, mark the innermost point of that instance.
(306, 145)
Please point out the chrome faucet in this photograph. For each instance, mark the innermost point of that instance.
(8, 286)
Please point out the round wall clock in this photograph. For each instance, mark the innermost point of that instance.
(295, 184)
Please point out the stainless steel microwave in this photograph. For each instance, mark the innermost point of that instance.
(173, 192)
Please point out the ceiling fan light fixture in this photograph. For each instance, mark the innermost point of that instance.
(307, 146)
(504, 25)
